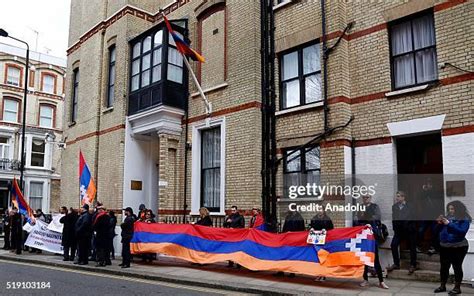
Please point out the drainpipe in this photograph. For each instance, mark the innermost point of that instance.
(325, 66)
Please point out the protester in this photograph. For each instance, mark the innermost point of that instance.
(204, 218)
(429, 207)
(403, 229)
(101, 226)
(293, 222)
(16, 231)
(257, 218)
(112, 234)
(141, 212)
(93, 248)
(83, 230)
(6, 229)
(149, 218)
(453, 244)
(234, 220)
(371, 216)
(69, 241)
(127, 234)
(39, 215)
(321, 221)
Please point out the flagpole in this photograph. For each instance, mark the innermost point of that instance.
(201, 92)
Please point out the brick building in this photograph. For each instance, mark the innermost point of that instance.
(401, 69)
(44, 116)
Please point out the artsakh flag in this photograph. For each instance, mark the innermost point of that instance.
(344, 254)
(20, 203)
(182, 46)
(86, 183)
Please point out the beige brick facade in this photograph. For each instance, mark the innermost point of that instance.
(228, 34)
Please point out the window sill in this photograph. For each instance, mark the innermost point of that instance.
(299, 108)
(108, 110)
(407, 90)
(282, 4)
(210, 89)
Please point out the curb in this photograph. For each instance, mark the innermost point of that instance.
(236, 287)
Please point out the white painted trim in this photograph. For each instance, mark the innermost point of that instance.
(416, 126)
(406, 90)
(299, 108)
(196, 163)
(280, 5)
(162, 119)
(219, 86)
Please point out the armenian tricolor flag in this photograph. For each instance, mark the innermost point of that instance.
(183, 46)
(344, 253)
(86, 183)
(20, 203)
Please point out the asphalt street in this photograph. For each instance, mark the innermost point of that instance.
(27, 279)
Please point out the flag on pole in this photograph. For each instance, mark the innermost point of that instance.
(183, 46)
(86, 183)
(19, 202)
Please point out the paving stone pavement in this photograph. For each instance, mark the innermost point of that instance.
(220, 276)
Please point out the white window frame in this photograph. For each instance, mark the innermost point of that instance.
(196, 164)
(44, 84)
(45, 117)
(28, 145)
(5, 110)
(10, 82)
(46, 192)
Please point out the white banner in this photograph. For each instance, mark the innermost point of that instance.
(55, 225)
(28, 227)
(44, 239)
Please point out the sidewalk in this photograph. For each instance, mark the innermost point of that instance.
(220, 276)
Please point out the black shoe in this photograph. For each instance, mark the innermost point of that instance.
(76, 262)
(71, 259)
(83, 263)
(65, 259)
(126, 266)
(440, 289)
(108, 263)
(393, 267)
(121, 264)
(455, 291)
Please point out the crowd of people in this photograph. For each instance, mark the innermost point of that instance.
(89, 234)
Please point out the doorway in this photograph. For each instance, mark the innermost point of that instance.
(420, 176)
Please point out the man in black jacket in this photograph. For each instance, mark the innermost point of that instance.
(16, 231)
(127, 234)
(100, 225)
(404, 229)
(83, 229)
(69, 241)
(234, 220)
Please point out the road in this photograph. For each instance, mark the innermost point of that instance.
(74, 282)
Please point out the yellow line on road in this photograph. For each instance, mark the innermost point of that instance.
(138, 280)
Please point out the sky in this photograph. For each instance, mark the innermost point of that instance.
(50, 18)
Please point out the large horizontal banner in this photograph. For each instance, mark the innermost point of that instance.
(343, 254)
(44, 239)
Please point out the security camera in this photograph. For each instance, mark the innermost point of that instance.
(62, 145)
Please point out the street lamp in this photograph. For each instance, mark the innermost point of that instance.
(4, 33)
